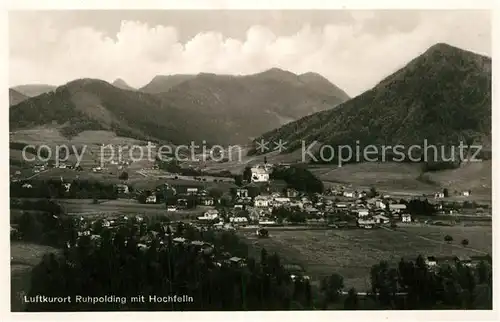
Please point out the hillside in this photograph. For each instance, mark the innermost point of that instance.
(216, 108)
(442, 96)
(90, 104)
(120, 83)
(162, 83)
(32, 90)
(15, 97)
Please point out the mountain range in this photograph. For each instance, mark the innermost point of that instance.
(218, 109)
(32, 90)
(442, 96)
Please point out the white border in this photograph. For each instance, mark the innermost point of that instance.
(237, 4)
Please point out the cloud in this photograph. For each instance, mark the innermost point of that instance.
(353, 56)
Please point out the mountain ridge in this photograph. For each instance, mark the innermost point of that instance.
(442, 96)
(217, 106)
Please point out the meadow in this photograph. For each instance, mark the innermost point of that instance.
(351, 253)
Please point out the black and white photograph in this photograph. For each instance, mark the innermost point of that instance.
(250, 160)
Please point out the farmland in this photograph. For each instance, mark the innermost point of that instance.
(351, 253)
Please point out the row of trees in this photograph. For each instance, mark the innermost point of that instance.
(79, 189)
(124, 270)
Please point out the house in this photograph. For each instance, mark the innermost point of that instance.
(261, 201)
(241, 193)
(67, 186)
(381, 219)
(348, 194)
(362, 212)
(292, 193)
(192, 191)
(431, 262)
(267, 222)
(366, 223)
(171, 208)
(466, 193)
(27, 186)
(438, 195)
(207, 201)
(281, 201)
(179, 240)
(397, 208)
(312, 211)
(236, 261)
(239, 220)
(259, 174)
(238, 206)
(122, 189)
(209, 215)
(406, 218)
(464, 260)
(341, 205)
(182, 202)
(151, 199)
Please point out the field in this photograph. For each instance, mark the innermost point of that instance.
(24, 257)
(351, 253)
(125, 206)
(404, 179)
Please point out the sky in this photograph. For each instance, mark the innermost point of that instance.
(352, 49)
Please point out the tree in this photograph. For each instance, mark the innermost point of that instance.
(448, 239)
(247, 174)
(123, 176)
(465, 242)
(215, 193)
(238, 180)
(446, 192)
(332, 286)
(351, 301)
(373, 192)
